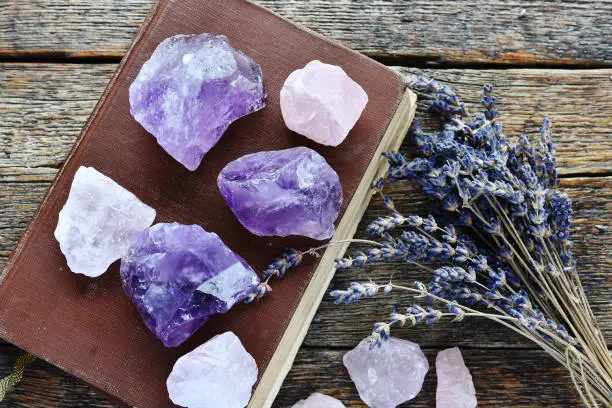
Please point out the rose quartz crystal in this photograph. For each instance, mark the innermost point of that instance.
(218, 374)
(321, 102)
(455, 386)
(387, 376)
(317, 400)
(98, 222)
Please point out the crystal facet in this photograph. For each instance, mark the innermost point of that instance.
(388, 376)
(283, 192)
(98, 222)
(218, 374)
(317, 400)
(321, 102)
(179, 275)
(455, 386)
(191, 89)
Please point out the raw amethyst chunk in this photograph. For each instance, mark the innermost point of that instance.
(283, 192)
(191, 89)
(179, 275)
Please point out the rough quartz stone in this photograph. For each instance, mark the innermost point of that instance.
(283, 192)
(321, 102)
(218, 374)
(98, 222)
(388, 376)
(179, 275)
(317, 400)
(455, 387)
(191, 89)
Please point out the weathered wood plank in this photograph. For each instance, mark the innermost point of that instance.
(475, 31)
(46, 386)
(44, 106)
(503, 378)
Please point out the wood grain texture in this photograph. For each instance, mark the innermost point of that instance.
(443, 32)
(503, 379)
(44, 106)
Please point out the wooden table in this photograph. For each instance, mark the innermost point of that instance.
(57, 56)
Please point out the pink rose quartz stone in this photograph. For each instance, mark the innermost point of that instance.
(455, 386)
(317, 400)
(388, 376)
(321, 102)
(218, 374)
(99, 222)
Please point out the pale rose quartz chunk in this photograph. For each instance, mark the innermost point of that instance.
(218, 374)
(388, 376)
(455, 386)
(317, 400)
(321, 102)
(98, 222)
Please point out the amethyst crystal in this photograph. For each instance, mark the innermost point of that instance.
(283, 192)
(191, 89)
(179, 275)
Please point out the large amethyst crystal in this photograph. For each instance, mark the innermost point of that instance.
(283, 192)
(191, 89)
(179, 275)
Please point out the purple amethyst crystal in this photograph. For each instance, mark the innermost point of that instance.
(283, 192)
(191, 89)
(179, 275)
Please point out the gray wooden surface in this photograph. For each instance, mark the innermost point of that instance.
(59, 55)
(572, 33)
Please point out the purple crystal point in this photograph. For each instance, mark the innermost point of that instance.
(191, 89)
(283, 192)
(179, 275)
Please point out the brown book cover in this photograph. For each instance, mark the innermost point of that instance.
(88, 327)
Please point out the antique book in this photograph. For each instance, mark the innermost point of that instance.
(88, 327)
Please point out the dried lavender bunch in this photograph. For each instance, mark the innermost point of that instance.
(500, 248)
